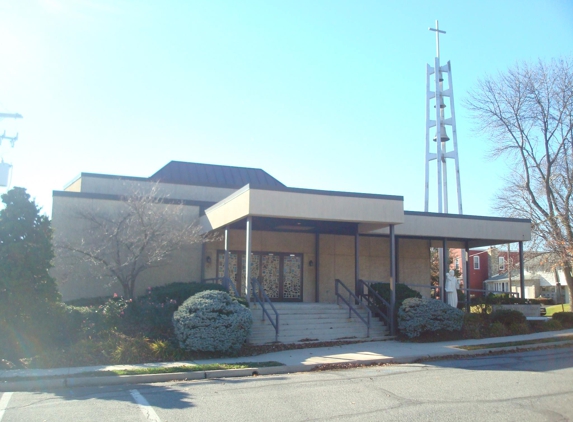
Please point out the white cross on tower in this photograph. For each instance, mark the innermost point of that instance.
(438, 32)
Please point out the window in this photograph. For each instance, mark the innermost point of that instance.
(498, 287)
(476, 262)
(457, 263)
(501, 263)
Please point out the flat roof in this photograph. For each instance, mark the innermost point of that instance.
(373, 211)
(478, 231)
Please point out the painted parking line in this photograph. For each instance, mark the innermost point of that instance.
(144, 406)
(4, 403)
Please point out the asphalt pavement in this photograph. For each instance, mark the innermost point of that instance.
(298, 360)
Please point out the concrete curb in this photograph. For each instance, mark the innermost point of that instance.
(41, 384)
(68, 382)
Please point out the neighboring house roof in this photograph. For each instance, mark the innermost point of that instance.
(546, 278)
(214, 175)
(514, 276)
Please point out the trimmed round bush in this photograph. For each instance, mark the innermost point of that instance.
(212, 321)
(565, 318)
(421, 315)
(508, 317)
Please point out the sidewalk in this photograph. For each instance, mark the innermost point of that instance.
(293, 361)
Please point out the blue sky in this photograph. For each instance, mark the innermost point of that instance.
(321, 94)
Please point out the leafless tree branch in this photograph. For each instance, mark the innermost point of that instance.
(141, 233)
(527, 112)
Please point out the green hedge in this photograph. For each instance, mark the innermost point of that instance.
(508, 317)
(178, 291)
(403, 292)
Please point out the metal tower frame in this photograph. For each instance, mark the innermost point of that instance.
(440, 153)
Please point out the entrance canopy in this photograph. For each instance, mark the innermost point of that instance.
(305, 210)
(478, 231)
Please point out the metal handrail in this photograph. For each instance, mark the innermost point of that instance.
(225, 282)
(497, 292)
(265, 299)
(371, 303)
(350, 307)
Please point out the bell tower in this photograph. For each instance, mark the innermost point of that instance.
(439, 146)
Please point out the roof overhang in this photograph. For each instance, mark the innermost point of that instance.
(305, 210)
(477, 231)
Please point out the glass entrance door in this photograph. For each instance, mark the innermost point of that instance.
(270, 276)
(233, 267)
(279, 273)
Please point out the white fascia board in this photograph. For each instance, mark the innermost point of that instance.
(231, 209)
(463, 227)
(326, 207)
(313, 205)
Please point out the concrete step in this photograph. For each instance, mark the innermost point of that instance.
(303, 322)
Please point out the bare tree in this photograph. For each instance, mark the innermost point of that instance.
(141, 233)
(527, 112)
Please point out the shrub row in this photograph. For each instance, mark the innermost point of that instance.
(429, 319)
(108, 330)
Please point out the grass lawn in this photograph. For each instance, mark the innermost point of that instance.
(190, 368)
(557, 308)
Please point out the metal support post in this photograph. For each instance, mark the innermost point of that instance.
(392, 279)
(356, 262)
(248, 258)
(521, 271)
(445, 269)
(226, 269)
(317, 267)
(466, 263)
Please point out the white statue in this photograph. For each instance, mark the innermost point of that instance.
(451, 287)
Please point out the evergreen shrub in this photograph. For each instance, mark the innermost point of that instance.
(29, 296)
(212, 321)
(507, 317)
(565, 318)
(475, 325)
(497, 329)
(151, 315)
(178, 291)
(420, 315)
(403, 292)
(518, 328)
